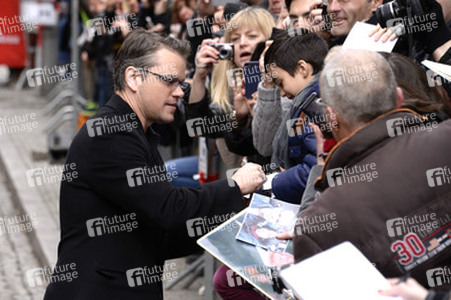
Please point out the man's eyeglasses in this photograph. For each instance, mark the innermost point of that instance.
(171, 81)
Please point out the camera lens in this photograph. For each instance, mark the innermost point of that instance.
(225, 52)
(387, 12)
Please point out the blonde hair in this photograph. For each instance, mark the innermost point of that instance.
(255, 18)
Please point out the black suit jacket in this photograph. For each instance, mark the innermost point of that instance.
(99, 207)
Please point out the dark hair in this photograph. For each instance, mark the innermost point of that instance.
(286, 51)
(138, 50)
(411, 78)
(259, 48)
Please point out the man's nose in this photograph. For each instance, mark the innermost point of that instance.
(333, 6)
(178, 92)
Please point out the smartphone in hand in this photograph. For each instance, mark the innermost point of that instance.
(252, 77)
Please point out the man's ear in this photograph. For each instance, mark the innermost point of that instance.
(304, 68)
(334, 120)
(133, 79)
(375, 4)
(331, 115)
(399, 98)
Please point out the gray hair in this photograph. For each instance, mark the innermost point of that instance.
(139, 49)
(358, 84)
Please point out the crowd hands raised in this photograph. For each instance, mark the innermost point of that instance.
(298, 48)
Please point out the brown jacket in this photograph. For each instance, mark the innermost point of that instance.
(386, 189)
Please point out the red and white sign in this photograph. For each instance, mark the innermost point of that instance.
(12, 45)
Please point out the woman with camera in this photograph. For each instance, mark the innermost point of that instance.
(243, 32)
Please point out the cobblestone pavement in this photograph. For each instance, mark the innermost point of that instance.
(16, 253)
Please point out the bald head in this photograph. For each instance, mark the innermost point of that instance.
(359, 85)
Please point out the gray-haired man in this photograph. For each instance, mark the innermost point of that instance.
(386, 185)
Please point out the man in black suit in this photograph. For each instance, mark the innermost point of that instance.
(121, 218)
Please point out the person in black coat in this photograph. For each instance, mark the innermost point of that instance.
(120, 216)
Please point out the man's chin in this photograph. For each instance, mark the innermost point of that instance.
(341, 30)
(166, 119)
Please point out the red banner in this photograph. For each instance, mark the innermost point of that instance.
(12, 45)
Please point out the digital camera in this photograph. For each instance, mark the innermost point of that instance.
(398, 9)
(225, 50)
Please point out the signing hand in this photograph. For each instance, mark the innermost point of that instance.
(409, 290)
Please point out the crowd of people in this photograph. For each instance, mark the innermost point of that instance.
(382, 117)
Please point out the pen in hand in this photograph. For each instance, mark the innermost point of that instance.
(403, 278)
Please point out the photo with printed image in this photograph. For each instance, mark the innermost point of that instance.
(265, 219)
(247, 263)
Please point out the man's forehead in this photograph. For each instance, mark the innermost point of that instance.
(170, 59)
(300, 7)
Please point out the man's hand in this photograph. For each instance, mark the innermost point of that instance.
(315, 22)
(249, 178)
(285, 235)
(409, 290)
(384, 33)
